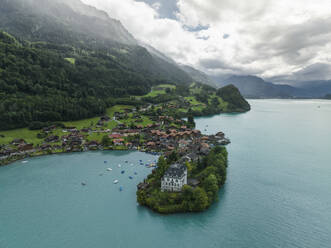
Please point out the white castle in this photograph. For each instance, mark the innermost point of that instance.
(174, 178)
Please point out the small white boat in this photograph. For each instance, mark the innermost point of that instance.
(109, 169)
(24, 162)
(119, 166)
(115, 181)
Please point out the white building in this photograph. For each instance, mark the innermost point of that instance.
(174, 178)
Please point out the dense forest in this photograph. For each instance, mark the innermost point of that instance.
(63, 60)
(69, 61)
(232, 95)
(38, 84)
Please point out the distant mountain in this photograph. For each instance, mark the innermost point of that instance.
(318, 88)
(255, 87)
(196, 75)
(199, 76)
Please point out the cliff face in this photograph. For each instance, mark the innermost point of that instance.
(36, 19)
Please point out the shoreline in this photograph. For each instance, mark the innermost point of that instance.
(82, 147)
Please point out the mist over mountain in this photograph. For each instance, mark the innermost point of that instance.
(73, 23)
(256, 87)
(61, 21)
(199, 76)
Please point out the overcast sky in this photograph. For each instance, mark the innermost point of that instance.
(284, 39)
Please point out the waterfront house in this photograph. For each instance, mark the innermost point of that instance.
(115, 136)
(174, 178)
(17, 142)
(93, 145)
(52, 138)
(25, 147)
(118, 142)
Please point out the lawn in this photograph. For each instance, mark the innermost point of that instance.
(117, 108)
(164, 86)
(146, 121)
(23, 133)
(30, 136)
(71, 60)
(193, 101)
(160, 90)
(155, 93)
(85, 123)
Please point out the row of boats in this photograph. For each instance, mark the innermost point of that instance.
(116, 181)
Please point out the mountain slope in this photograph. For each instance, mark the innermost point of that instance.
(255, 87)
(40, 84)
(61, 22)
(196, 75)
(85, 30)
(199, 76)
(317, 88)
(63, 60)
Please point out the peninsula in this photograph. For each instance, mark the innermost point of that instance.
(153, 123)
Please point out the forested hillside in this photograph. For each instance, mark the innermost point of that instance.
(39, 84)
(79, 29)
(62, 60)
(69, 61)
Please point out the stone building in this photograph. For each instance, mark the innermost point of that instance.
(174, 178)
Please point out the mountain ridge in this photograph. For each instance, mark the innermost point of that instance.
(256, 87)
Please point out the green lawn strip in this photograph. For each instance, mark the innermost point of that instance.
(117, 108)
(159, 90)
(30, 136)
(96, 136)
(85, 123)
(193, 101)
(146, 121)
(71, 60)
(155, 93)
(23, 133)
(164, 86)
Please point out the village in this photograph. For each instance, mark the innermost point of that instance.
(162, 134)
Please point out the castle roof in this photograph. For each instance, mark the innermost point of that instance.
(176, 171)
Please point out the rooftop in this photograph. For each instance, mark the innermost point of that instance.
(175, 170)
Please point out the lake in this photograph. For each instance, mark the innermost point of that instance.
(278, 191)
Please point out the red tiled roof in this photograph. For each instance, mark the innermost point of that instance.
(115, 136)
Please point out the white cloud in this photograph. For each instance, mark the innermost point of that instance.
(156, 5)
(263, 37)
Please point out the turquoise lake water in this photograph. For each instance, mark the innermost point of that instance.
(278, 192)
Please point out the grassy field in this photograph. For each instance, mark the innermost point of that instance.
(30, 136)
(146, 121)
(155, 93)
(192, 100)
(71, 60)
(24, 133)
(118, 108)
(160, 90)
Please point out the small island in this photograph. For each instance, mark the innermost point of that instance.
(185, 185)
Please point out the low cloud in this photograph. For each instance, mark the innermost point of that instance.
(262, 37)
